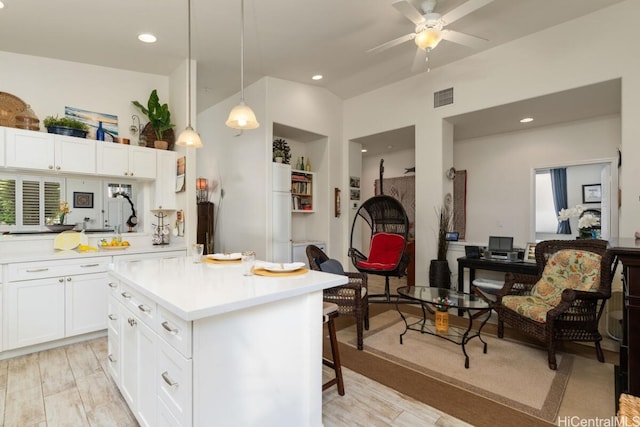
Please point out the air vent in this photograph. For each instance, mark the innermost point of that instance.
(443, 97)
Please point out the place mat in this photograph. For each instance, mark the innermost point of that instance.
(218, 261)
(263, 272)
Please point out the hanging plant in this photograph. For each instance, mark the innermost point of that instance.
(280, 144)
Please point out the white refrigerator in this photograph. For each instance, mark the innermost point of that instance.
(281, 213)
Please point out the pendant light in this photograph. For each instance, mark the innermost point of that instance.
(189, 137)
(242, 116)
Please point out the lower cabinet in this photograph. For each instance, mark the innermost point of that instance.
(51, 308)
(153, 376)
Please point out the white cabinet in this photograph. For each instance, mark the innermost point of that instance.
(125, 160)
(146, 360)
(281, 213)
(49, 300)
(165, 193)
(35, 311)
(44, 151)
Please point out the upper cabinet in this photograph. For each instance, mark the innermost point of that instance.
(126, 160)
(47, 152)
(165, 186)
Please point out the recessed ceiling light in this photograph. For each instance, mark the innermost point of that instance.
(147, 38)
(317, 77)
(526, 120)
(364, 150)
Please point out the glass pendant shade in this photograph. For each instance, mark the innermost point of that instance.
(428, 38)
(242, 117)
(189, 138)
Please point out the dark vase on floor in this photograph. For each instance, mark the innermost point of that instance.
(439, 274)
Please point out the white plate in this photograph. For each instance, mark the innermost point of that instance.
(226, 257)
(283, 268)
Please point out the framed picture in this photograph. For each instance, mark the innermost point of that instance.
(591, 193)
(354, 181)
(355, 194)
(530, 252)
(336, 202)
(82, 200)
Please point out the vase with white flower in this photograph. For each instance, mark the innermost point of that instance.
(588, 220)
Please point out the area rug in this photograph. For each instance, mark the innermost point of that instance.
(510, 374)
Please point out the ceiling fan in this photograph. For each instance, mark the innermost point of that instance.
(430, 27)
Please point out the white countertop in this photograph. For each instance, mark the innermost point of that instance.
(195, 291)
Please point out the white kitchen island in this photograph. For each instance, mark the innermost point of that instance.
(200, 344)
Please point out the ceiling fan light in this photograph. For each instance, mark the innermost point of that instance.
(242, 117)
(189, 138)
(428, 38)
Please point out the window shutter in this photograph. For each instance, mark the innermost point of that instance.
(30, 202)
(51, 199)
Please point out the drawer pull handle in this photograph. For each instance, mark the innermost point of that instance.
(143, 308)
(172, 331)
(112, 359)
(132, 321)
(126, 295)
(113, 317)
(61, 280)
(37, 270)
(113, 285)
(169, 381)
(89, 265)
(170, 257)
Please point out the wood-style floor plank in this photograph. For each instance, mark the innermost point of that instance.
(24, 407)
(65, 409)
(55, 372)
(82, 360)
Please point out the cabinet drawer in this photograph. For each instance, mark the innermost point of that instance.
(175, 331)
(113, 358)
(174, 382)
(141, 306)
(42, 269)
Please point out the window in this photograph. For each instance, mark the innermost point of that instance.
(28, 201)
(546, 217)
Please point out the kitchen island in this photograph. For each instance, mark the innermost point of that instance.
(201, 344)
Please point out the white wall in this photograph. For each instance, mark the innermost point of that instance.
(499, 171)
(48, 85)
(553, 60)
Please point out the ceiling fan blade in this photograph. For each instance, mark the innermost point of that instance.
(464, 39)
(463, 10)
(407, 9)
(392, 43)
(420, 61)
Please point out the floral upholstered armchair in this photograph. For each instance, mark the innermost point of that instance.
(565, 300)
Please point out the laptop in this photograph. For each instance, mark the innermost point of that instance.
(500, 244)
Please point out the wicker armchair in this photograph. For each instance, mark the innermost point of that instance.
(352, 299)
(575, 317)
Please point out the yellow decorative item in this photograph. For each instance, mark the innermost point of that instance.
(442, 321)
(69, 240)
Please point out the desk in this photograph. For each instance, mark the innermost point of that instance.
(473, 264)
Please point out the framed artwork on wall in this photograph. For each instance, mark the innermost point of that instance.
(530, 252)
(591, 193)
(82, 200)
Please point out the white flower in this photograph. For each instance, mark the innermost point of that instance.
(575, 212)
(588, 221)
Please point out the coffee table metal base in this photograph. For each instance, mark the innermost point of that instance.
(455, 334)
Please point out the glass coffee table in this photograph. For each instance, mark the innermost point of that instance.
(470, 304)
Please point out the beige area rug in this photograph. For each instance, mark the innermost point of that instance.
(511, 374)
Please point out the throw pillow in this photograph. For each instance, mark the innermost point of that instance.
(567, 269)
(332, 266)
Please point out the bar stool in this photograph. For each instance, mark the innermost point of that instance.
(330, 312)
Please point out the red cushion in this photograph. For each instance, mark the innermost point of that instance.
(375, 265)
(386, 250)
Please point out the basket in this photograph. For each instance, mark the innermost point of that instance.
(10, 106)
(150, 136)
(629, 410)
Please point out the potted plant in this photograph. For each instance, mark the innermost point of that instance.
(159, 118)
(278, 155)
(439, 273)
(281, 145)
(66, 126)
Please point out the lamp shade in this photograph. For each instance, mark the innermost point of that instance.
(242, 117)
(189, 138)
(428, 38)
(201, 183)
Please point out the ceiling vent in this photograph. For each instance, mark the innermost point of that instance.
(443, 97)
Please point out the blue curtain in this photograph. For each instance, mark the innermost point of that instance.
(559, 189)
